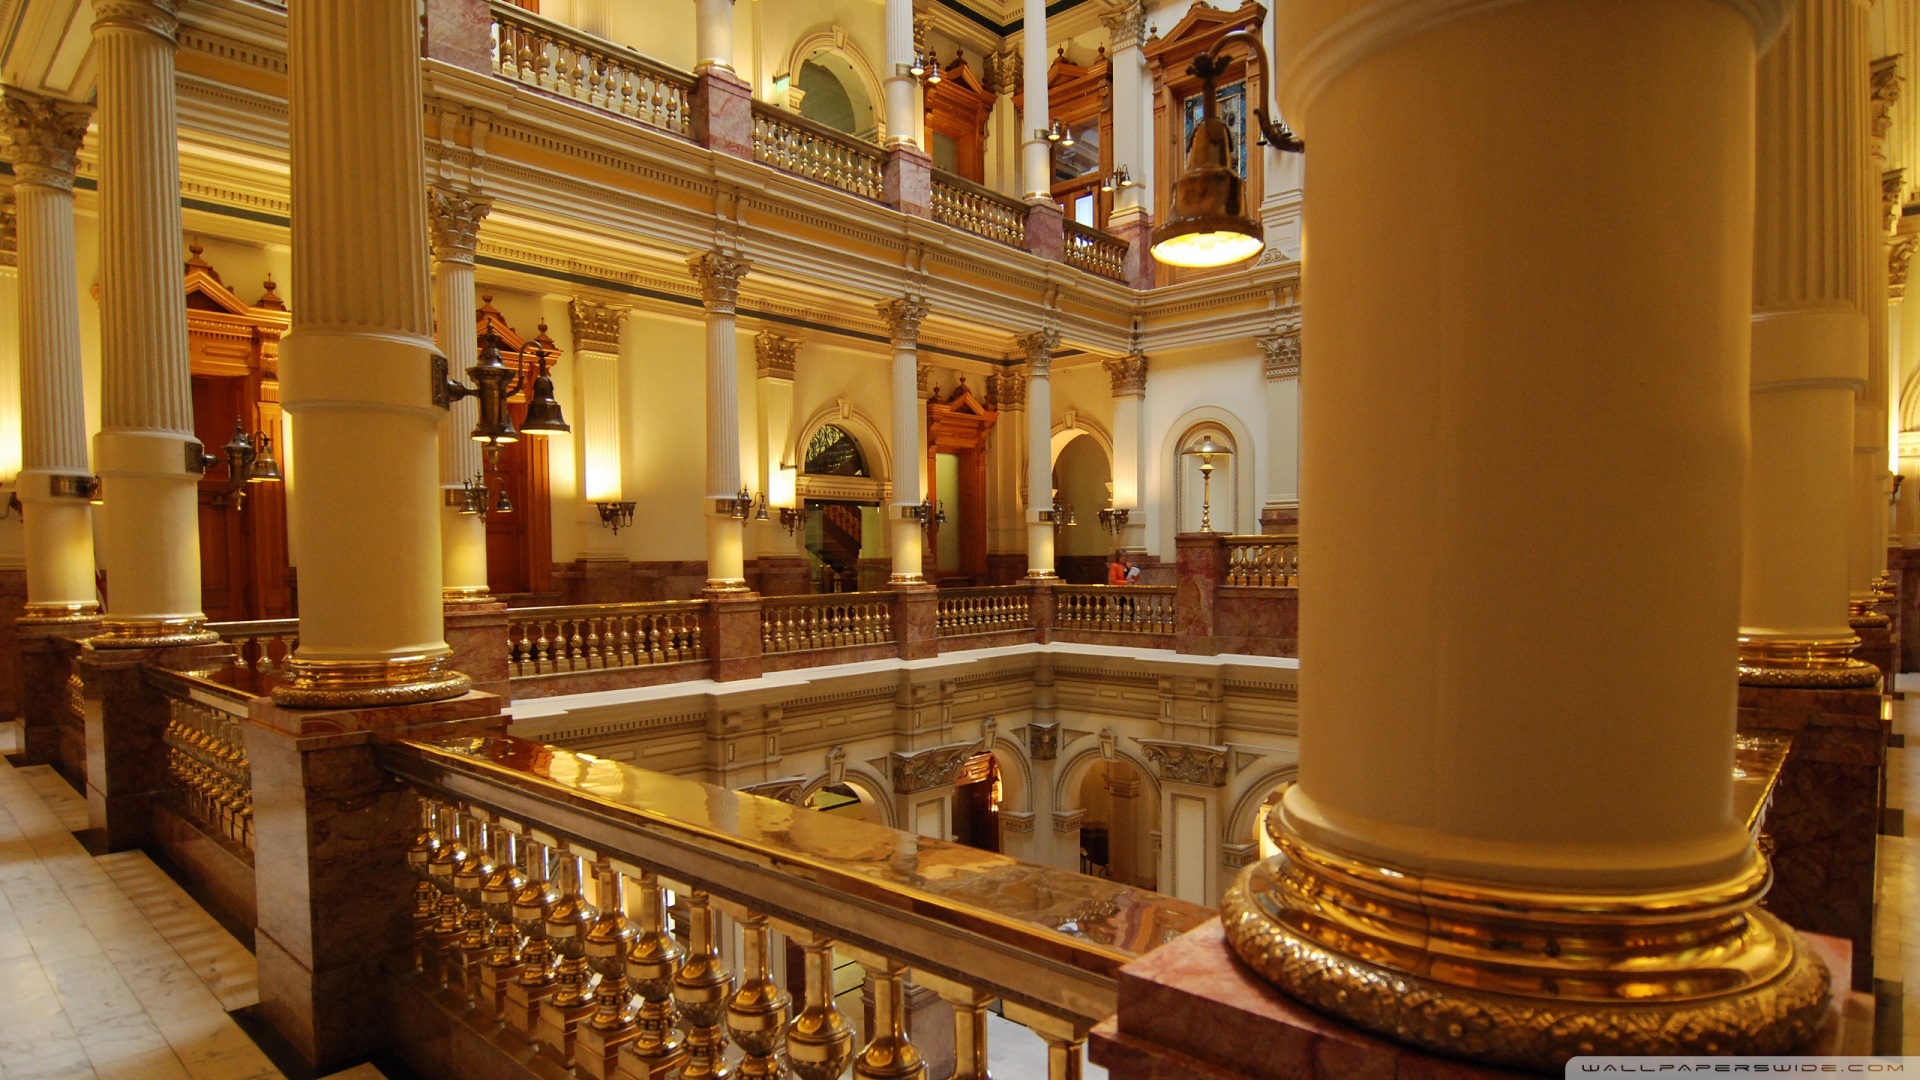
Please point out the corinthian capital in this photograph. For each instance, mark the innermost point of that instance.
(1283, 354)
(157, 17)
(596, 327)
(774, 355)
(719, 277)
(1884, 89)
(46, 134)
(1007, 391)
(1039, 347)
(1126, 23)
(453, 222)
(903, 319)
(1129, 374)
(1899, 258)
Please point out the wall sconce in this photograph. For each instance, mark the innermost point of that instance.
(1118, 180)
(1114, 520)
(739, 507)
(494, 382)
(1206, 450)
(1063, 513)
(616, 515)
(929, 513)
(925, 67)
(472, 495)
(1057, 132)
(249, 461)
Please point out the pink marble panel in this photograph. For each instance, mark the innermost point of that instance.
(723, 114)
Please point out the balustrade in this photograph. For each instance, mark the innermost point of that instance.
(560, 60)
(827, 621)
(1263, 561)
(207, 768)
(990, 610)
(585, 637)
(967, 206)
(1121, 609)
(975, 926)
(1096, 251)
(794, 144)
(263, 645)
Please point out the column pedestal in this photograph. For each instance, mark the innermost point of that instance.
(907, 184)
(732, 634)
(46, 712)
(916, 620)
(1047, 231)
(1201, 568)
(125, 718)
(476, 633)
(723, 113)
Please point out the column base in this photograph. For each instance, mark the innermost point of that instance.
(1527, 979)
(47, 712)
(348, 684)
(1805, 664)
(152, 633)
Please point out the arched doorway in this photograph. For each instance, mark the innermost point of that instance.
(839, 532)
(978, 795)
(1115, 838)
(849, 800)
(832, 92)
(1083, 480)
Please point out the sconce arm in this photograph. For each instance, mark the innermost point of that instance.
(1273, 133)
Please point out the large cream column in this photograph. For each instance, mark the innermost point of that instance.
(596, 351)
(901, 88)
(356, 369)
(1280, 511)
(713, 35)
(1530, 826)
(147, 457)
(1036, 171)
(1039, 348)
(1007, 460)
(1128, 374)
(1810, 331)
(779, 543)
(1132, 106)
(905, 532)
(453, 221)
(53, 480)
(719, 277)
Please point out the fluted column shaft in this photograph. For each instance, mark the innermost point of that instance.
(1132, 105)
(1037, 153)
(453, 219)
(1129, 378)
(713, 35)
(146, 453)
(719, 277)
(900, 85)
(908, 534)
(596, 345)
(356, 367)
(58, 522)
(1040, 524)
(1870, 420)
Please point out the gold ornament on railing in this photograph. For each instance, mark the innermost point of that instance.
(757, 1011)
(701, 990)
(653, 963)
(819, 1040)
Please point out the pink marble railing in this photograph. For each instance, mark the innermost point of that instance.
(551, 56)
(1114, 609)
(791, 143)
(1095, 251)
(828, 621)
(602, 838)
(991, 610)
(1263, 561)
(982, 211)
(589, 637)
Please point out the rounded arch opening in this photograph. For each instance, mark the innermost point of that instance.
(856, 796)
(1234, 505)
(1082, 480)
(833, 84)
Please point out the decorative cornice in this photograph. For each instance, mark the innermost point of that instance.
(1016, 821)
(719, 278)
(1187, 763)
(1068, 820)
(1283, 354)
(453, 222)
(1129, 375)
(1038, 347)
(903, 319)
(774, 355)
(1892, 186)
(1007, 391)
(1899, 257)
(1043, 741)
(923, 770)
(157, 17)
(1002, 72)
(46, 134)
(1126, 24)
(1884, 87)
(596, 326)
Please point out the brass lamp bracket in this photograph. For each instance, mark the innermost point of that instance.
(1211, 65)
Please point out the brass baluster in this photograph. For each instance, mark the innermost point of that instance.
(594, 659)
(1064, 1039)
(653, 963)
(819, 1040)
(596, 1052)
(463, 972)
(567, 924)
(420, 854)
(536, 979)
(969, 1024)
(701, 990)
(757, 1012)
(503, 963)
(447, 910)
(889, 1053)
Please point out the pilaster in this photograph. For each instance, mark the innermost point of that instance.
(1280, 512)
(454, 216)
(719, 276)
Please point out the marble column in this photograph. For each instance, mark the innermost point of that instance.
(719, 277)
(596, 350)
(54, 479)
(1007, 477)
(713, 35)
(1039, 348)
(1810, 332)
(1131, 218)
(899, 85)
(357, 368)
(1128, 375)
(906, 533)
(1533, 767)
(148, 459)
(1280, 513)
(1037, 153)
(453, 221)
(780, 546)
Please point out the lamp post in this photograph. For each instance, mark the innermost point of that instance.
(1206, 450)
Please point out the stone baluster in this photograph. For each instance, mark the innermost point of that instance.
(819, 1038)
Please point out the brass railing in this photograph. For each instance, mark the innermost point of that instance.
(1263, 561)
(556, 58)
(791, 143)
(207, 768)
(1096, 251)
(262, 645)
(512, 832)
(1120, 609)
(587, 637)
(969, 207)
(825, 621)
(988, 610)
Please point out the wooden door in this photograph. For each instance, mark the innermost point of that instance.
(226, 572)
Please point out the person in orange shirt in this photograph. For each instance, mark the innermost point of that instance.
(1117, 570)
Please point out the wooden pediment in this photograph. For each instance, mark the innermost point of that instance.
(225, 334)
(1197, 32)
(960, 421)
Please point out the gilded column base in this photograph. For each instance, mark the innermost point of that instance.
(727, 585)
(346, 684)
(1861, 616)
(151, 633)
(1824, 665)
(906, 579)
(1042, 575)
(1884, 587)
(458, 597)
(1526, 979)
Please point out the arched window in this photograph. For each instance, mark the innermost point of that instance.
(833, 93)
(834, 452)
